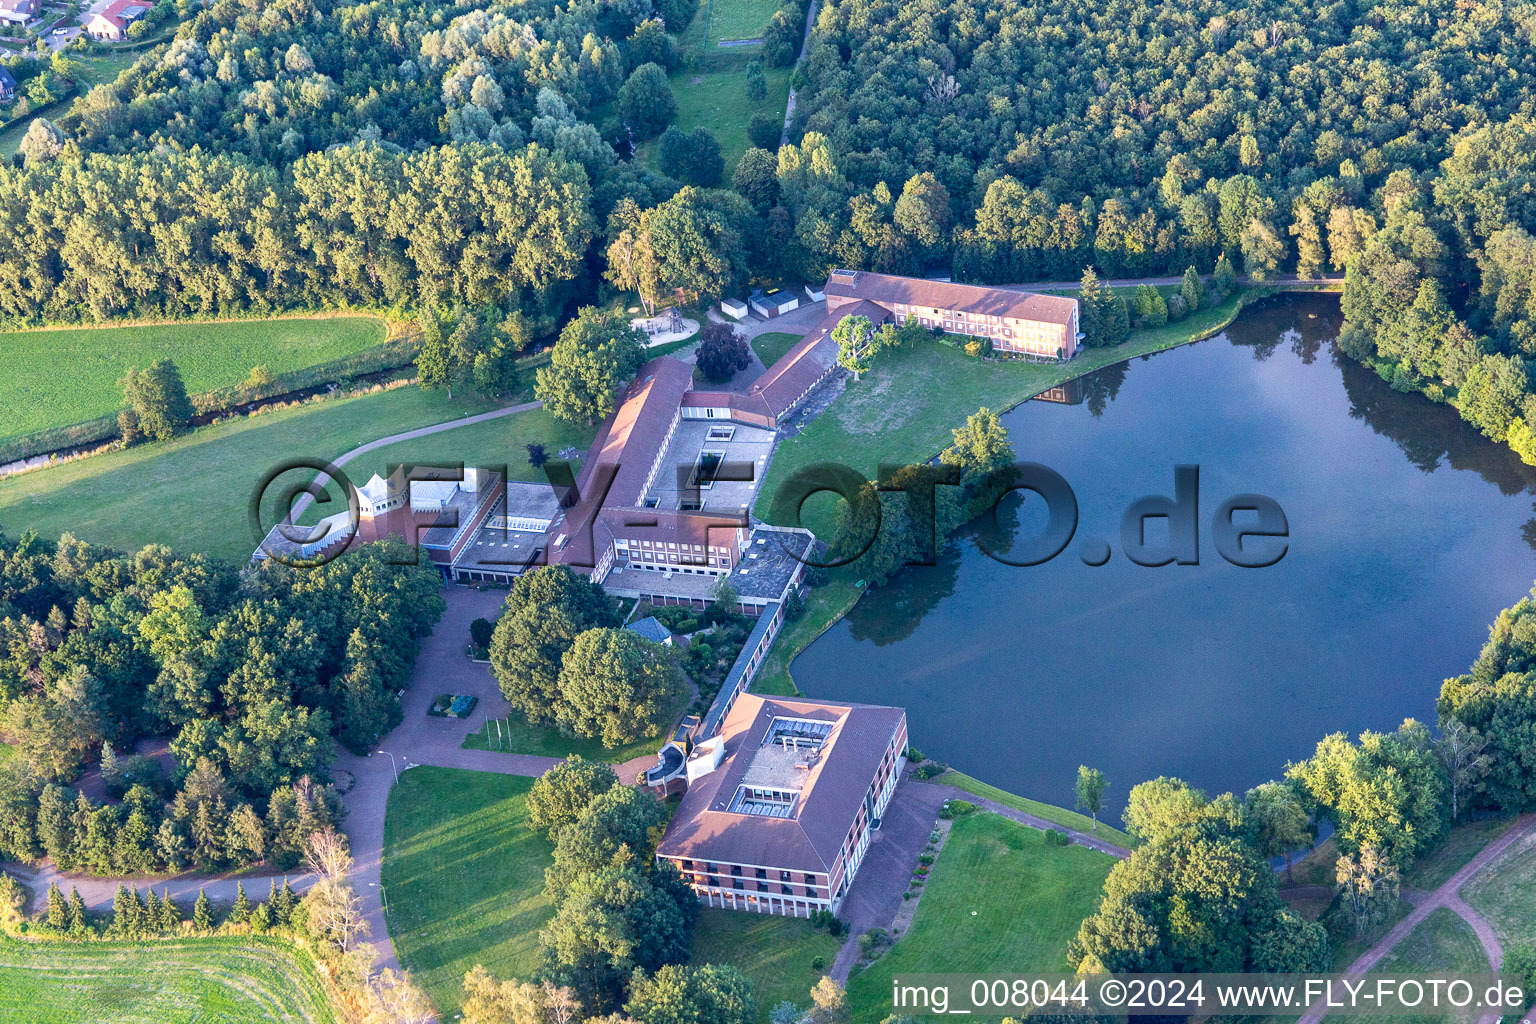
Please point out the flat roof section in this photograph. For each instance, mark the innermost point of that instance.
(727, 442)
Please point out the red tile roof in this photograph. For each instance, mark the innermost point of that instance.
(833, 788)
(912, 291)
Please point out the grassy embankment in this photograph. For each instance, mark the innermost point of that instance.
(237, 980)
(999, 899)
(1056, 815)
(193, 492)
(770, 347)
(58, 377)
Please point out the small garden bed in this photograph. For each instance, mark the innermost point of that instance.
(451, 705)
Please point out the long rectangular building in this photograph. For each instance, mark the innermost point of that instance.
(1025, 324)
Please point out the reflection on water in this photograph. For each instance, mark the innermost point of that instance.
(1407, 538)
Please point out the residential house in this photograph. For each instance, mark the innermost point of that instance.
(113, 21)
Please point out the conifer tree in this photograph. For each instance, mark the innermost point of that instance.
(202, 912)
(79, 919)
(170, 913)
(241, 911)
(261, 917)
(58, 912)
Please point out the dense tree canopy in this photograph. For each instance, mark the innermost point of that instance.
(250, 674)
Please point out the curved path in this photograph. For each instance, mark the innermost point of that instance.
(1447, 896)
(304, 500)
(1087, 839)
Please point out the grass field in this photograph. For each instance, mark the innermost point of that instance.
(716, 98)
(464, 878)
(1443, 943)
(775, 952)
(770, 347)
(1050, 812)
(491, 444)
(999, 899)
(1505, 893)
(904, 409)
(190, 981)
(193, 492)
(738, 19)
(1435, 869)
(54, 378)
(517, 736)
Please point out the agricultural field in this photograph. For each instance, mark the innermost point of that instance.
(737, 19)
(53, 378)
(193, 492)
(775, 952)
(999, 899)
(236, 980)
(463, 878)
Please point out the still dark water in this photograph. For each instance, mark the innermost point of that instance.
(1409, 532)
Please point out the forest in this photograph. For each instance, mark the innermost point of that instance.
(253, 674)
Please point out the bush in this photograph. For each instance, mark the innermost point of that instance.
(956, 808)
(1055, 838)
(925, 859)
(818, 963)
(929, 770)
(915, 756)
(480, 632)
(765, 131)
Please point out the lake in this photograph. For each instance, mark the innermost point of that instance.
(1409, 531)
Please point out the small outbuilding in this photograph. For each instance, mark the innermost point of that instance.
(814, 293)
(774, 303)
(734, 308)
(651, 629)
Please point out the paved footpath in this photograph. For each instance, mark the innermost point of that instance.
(1448, 896)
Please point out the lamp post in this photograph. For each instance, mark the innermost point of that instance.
(392, 764)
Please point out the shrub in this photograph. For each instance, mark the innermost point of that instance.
(956, 808)
(926, 858)
(915, 756)
(765, 130)
(1055, 838)
(480, 632)
(818, 962)
(929, 770)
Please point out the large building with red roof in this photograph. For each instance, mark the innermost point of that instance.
(782, 801)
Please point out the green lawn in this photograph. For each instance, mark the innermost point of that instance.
(716, 98)
(193, 493)
(185, 981)
(775, 952)
(824, 605)
(490, 444)
(1050, 812)
(905, 408)
(1442, 944)
(1505, 893)
(1436, 868)
(53, 378)
(464, 878)
(770, 347)
(738, 19)
(517, 736)
(999, 899)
